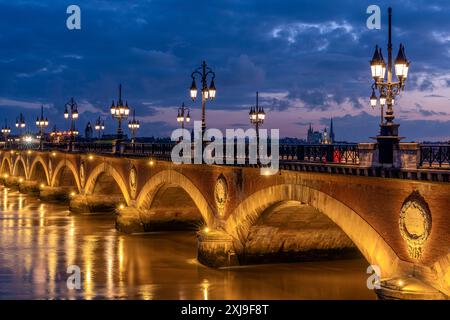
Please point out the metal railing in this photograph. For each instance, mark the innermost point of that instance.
(337, 153)
(157, 150)
(435, 156)
(90, 147)
(62, 146)
(332, 153)
(19, 146)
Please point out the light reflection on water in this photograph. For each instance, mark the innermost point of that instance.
(38, 241)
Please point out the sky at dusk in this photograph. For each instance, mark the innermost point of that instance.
(308, 59)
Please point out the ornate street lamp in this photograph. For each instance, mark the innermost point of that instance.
(71, 112)
(208, 93)
(99, 126)
(183, 115)
(257, 117)
(388, 89)
(41, 123)
(120, 111)
(6, 131)
(20, 124)
(133, 125)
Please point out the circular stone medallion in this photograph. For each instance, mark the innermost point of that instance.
(221, 194)
(415, 224)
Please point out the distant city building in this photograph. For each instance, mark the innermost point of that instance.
(324, 137)
(88, 132)
(314, 137)
(332, 139)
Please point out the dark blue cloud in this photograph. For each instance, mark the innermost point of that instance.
(316, 52)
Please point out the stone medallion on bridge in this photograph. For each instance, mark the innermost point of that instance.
(221, 194)
(415, 223)
(82, 174)
(133, 182)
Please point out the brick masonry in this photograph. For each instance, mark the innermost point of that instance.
(358, 204)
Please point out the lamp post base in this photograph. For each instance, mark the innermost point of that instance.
(117, 146)
(388, 141)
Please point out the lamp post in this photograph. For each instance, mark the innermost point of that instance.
(41, 123)
(6, 131)
(133, 125)
(207, 93)
(71, 111)
(20, 124)
(99, 126)
(120, 111)
(183, 115)
(257, 117)
(388, 89)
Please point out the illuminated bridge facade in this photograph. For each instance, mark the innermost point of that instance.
(326, 201)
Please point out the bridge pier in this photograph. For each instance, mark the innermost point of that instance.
(55, 194)
(128, 220)
(407, 288)
(216, 249)
(133, 220)
(11, 182)
(29, 187)
(94, 203)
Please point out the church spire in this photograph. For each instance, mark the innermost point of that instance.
(331, 131)
(309, 137)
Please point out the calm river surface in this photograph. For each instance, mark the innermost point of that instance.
(38, 241)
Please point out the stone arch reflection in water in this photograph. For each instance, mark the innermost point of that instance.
(40, 240)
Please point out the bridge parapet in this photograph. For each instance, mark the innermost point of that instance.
(412, 161)
(405, 157)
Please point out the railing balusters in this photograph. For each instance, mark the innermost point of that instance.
(435, 156)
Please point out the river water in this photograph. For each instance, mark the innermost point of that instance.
(38, 241)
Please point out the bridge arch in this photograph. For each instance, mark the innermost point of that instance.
(106, 170)
(39, 163)
(174, 178)
(6, 166)
(369, 242)
(65, 167)
(20, 168)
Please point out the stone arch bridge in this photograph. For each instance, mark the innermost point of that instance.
(400, 224)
